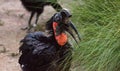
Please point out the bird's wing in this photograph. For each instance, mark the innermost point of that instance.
(34, 1)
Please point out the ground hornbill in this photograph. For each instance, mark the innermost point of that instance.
(51, 52)
(37, 6)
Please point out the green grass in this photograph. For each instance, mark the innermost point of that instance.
(98, 21)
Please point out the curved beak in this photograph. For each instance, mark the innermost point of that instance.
(70, 24)
(74, 28)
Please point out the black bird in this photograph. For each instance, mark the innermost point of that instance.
(37, 7)
(50, 52)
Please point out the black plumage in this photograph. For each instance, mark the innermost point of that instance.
(37, 7)
(41, 52)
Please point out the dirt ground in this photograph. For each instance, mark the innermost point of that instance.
(13, 17)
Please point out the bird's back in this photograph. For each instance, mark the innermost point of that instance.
(40, 53)
(33, 1)
(37, 52)
(36, 5)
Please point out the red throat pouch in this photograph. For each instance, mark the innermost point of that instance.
(61, 38)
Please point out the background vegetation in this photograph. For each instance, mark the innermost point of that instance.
(98, 21)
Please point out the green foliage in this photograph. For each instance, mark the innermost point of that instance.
(98, 21)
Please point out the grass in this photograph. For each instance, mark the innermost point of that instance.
(98, 22)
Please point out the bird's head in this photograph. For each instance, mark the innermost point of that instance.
(63, 24)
